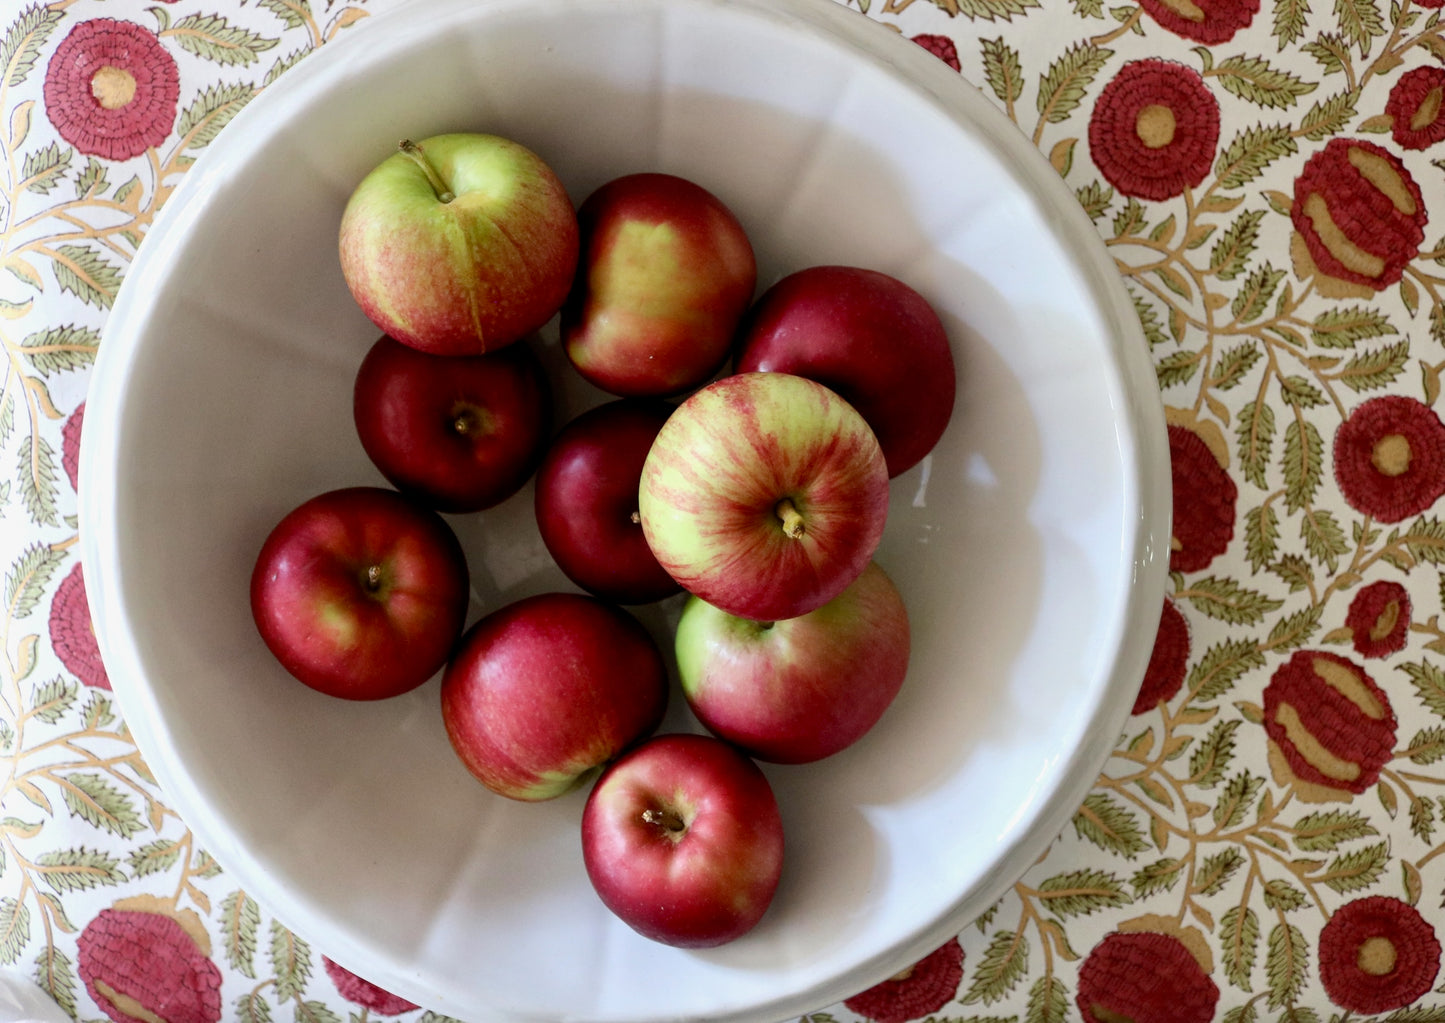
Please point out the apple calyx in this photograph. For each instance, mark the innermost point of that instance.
(371, 580)
(467, 421)
(792, 519)
(418, 157)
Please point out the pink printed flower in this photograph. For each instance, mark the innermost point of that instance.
(141, 965)
(1168, 661)
(1390, 458)
(364, 992)
(1414, 108)
(941, 47)
(1379, 618)
(1377, 954)
(1359, 213)
(111, 89)
(1145, 977)
(71, 632)
(1204, 497)
(1330, 727)
(1204, 21)
(923, 988)
(1154, 129)
(70, 446)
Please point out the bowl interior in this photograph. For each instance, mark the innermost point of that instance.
(1027, 546)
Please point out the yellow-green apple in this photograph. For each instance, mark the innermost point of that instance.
(868, 336)
(683, 841)
(459, 432)
(542, 693)
(800, 689)
(586, 501)
(666, 273)
(360, 592)
(765, 494)
(460, 244)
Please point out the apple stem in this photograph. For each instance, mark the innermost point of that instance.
(418, 156)
(665, 819)
(635, 518)
(373, 577)
(791, 517)
(464, 423)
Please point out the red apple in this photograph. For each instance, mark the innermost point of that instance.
(800, 689)
(765, 494)
(586, 501)
(682, 839)
(459, 432)
(665, 274)
(542, 693)
(360, 593)
(461, 244)
(868, 336)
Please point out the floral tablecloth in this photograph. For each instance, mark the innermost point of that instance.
(1265, 842)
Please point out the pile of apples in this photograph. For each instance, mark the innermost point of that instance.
(759, 492)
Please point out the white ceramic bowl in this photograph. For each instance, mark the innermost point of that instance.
(1031, 547)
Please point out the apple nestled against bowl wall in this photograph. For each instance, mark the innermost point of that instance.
(1030, 546)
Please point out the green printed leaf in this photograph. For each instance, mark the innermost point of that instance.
(1343, 327)
(1326, 830)
(86, 274)
(1251, 152)
(57, 349)
(1350, 872)
(1080, 892)
(1005, 962)
(1429, 685)
(1239, 940)
(1283, 895)
(1048, 1001)
(1427, 746)
(240, 920)
(1422, 818)
(1370, 371)
(1425, 540)
(1324, 538)
(211, 111)
(1332, 52)
(1063, 86)
(23, 41)
(1245, 1013)
(1234, 363)
(293, 12)
(284, 64)
(74, 870)
(1298, 392)
(1289, 20)
(1254, 79)
(985, 10)
(1228, 601)
(1253, 298)
(1130, 219)
(252, 1007)
(44, 168)
(1286, 964)
(1088, 8)
(1294, 630)
(313, 1011)
(1328, 117)
(100, 804)
(1211, 758)
(1360, 22)
(39, 481)
(56, 977)
(214, 38)
(1148, 319)
(1221, 667)
(1417, 1014)
(1108, 825)
(1254, 435)
(1303, 464)
(155, 857)
(26, 581)
(1237, 798)
(1230, 255)
(54, 698)
(14, 929)
(1177, 368)
(1095, 197)
(1216, 870)
(291, 961)
(1161, 875)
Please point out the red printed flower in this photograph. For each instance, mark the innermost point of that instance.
(1377, 954)
(70, 446)
(1145, 977)
(1359, 213)
(1167, 663)
(364, 992)
(1378, 619)
(142, 961)
(1154, 129)
(1414, 108)
(1390, 458)
(1204, 21)
(923, 988)
(111, 89)
(1204, 497)
(1330, 727)
(71, 633)
(941, 47)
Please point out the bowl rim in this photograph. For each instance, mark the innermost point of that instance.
(1141, 433)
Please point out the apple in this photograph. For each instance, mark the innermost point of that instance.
(460, 244)
(801, 689)
(868, 336)
(360, 592)
(543, 692)
(586, 501)
(459, 432)
(683, 841)
(765, 494)
(665, 274)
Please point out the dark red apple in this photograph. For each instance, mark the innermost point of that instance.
(664, 276)
(545, 691)
(683, 841)
(360, 593)
(461, 433)
(586, 501)
(868, 336)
